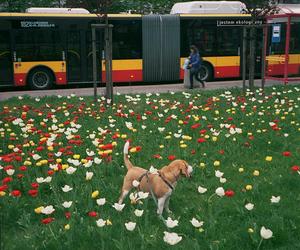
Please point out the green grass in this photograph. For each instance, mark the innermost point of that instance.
(226, 221)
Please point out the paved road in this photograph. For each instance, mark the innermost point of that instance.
(164, 88)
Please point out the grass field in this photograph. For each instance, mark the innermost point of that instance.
(253, 140)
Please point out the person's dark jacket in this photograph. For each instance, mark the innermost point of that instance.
(195, 60)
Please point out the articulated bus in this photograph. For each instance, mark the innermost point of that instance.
(40, 49)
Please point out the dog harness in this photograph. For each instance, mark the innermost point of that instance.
(159, 174)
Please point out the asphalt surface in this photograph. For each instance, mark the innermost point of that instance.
(164, 88)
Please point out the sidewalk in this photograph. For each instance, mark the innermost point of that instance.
(164, 88)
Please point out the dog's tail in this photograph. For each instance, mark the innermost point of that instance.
(127, 162)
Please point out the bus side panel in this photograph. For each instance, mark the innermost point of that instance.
(125, 70)
(21, 70)
(276, 68)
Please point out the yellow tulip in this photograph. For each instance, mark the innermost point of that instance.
(250, 230)
(11, 146)
(38, 210)
(217, 163)
(183, 145)
(249, 187)
(241, 170)
(58, 160)
(214, 138)
(256, 173)
(95, 194)
(67, 227)
(2, 193)
(108, 222)
(269, 158)
(76, 157)
(123, 136)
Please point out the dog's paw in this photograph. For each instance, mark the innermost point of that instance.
(169, 211)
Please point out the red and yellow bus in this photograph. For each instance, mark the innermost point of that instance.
(41, 50)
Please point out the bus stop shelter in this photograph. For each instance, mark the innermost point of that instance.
(281, 66)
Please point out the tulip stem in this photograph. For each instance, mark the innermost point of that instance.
(260, 243)
(211, 197)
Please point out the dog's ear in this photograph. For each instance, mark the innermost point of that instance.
(184, 168)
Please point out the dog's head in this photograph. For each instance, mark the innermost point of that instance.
(182, 167)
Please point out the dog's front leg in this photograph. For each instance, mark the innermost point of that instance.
(122, 196)
(167, 205)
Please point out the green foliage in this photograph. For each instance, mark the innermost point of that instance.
(270, 126)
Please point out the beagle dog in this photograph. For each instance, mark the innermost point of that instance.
(161, 184)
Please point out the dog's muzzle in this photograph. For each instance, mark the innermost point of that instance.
(190, 170)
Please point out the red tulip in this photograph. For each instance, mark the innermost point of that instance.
(3, 188)
(295, 168)
(201, 140)
(23, 168)
(7, 180)
(287, 153)
(229, 193)
(157, 156)
(33, 192)
(68, 215)
(47, 220)
(171, 157)
(93, 214)
(34, 185)
(16, 193)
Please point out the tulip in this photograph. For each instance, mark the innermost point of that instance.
(197, 223)
(95, 194)
(266, 233)
(220, 191)
(217, 163)
(130, 226)
(172, 238)
(93, 214)
(229, 193)
(269, 158)
(67, 227)
(171, 223)
(100, 223)
(47, 220)
(138, 213)
(249, 206)
(256, 173)
(16, 193)
(249, 187)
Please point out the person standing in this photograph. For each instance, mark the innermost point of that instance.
(194, 66)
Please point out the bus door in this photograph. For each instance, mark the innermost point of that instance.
(74, 56)
(6, 65)
(89, 54)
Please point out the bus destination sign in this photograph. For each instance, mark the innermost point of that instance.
(239, 22)
(36, 24)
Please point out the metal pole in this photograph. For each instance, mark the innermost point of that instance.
(252, 58)
(287, 50)
(94, 63)
(244, 58)
(264, 52)
(108, 62)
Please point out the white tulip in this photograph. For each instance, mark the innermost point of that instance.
(67, 188)
(48, 210)
(171, 223)
(36, 157)
(89, 175)
(70, 170)
(40, 180)
(118, 207)
(48, 179)
(130, 226)
(10, 172)
(172, 238)
(197, 223)
(218, 174)
(153, 170)
(143, 195)
(249, 206)
(202, 190)
(101, 201)
(220, 191)
(100, 223)
(67, 204)
(275, 199)
(138, 212)
(223, 180)
(266, 233)
(97, 160)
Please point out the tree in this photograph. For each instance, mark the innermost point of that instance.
(258, 9)
(21, 5)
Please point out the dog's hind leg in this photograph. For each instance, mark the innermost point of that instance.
(124, 193)
(161, 203)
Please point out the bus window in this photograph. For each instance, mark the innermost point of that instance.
(295, 39)
(200, 33)
(228, 41)
(5, 57)
(38, 45)
(127, 40)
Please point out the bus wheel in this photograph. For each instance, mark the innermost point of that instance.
(40, 78)
(206, 72)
